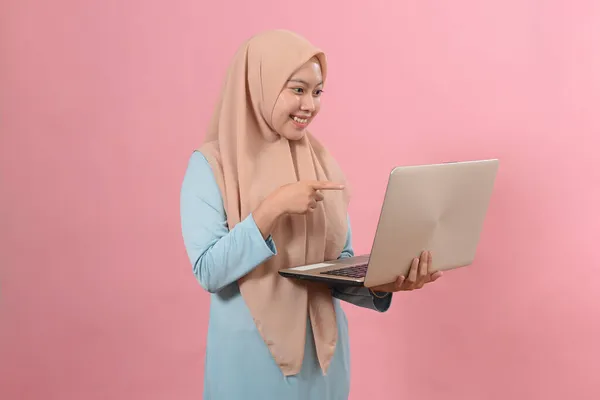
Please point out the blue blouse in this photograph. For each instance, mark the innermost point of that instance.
(238, 364)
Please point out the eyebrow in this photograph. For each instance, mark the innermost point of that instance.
(303, 82)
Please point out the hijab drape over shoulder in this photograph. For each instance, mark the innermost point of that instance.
(250, 160)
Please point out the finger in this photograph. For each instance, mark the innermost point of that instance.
(423, 266)
(325, 185)
(399, 282)
(412, 274)
(429, 262)
(312, 205)
(319, 196)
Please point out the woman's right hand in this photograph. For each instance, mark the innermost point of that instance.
(301, 197)
(294, 198)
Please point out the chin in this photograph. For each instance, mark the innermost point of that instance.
(294, 135)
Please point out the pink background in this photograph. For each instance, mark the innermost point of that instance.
(101, 104)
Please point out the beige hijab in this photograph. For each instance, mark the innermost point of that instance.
(250, 160)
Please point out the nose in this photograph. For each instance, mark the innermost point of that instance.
(308, 103)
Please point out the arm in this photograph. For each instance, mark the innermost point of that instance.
(219, 256)
(360, 296)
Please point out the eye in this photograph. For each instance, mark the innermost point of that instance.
(318, 92)
(298, 90)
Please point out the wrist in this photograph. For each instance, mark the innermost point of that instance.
(272, 206)
(265, 216)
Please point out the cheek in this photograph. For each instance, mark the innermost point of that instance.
(283, 108)
(317, 106)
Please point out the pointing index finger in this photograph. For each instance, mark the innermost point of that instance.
(325, 185)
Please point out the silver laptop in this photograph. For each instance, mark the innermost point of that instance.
(439, 207)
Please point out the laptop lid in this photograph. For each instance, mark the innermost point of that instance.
(438, 207)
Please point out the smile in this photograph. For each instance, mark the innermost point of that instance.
(299, 121)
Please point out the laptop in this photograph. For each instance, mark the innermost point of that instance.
(435, 207)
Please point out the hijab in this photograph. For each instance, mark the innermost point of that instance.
(250, 160)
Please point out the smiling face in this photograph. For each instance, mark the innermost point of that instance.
(299, 101)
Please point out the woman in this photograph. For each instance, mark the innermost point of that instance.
(262, 194)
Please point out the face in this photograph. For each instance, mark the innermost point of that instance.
(299, 101)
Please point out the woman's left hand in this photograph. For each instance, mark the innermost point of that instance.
(418, 275)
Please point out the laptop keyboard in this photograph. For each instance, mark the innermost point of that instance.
(355, 271)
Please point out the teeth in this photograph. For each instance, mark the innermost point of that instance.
(300, 120)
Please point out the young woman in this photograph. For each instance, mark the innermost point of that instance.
(261, 194)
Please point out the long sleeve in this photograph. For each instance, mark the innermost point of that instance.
(218, 256)
(359, 296)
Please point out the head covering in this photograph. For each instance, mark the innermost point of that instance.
(250, 160)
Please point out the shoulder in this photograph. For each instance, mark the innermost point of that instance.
(198, 165)
(199, 192)
(211, 154)
(199, 176)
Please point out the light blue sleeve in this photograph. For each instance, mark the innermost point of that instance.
(360, 296)
(219, 256)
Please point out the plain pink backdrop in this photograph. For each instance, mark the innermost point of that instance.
(101, 104)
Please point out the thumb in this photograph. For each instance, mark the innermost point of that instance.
(435, 276)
